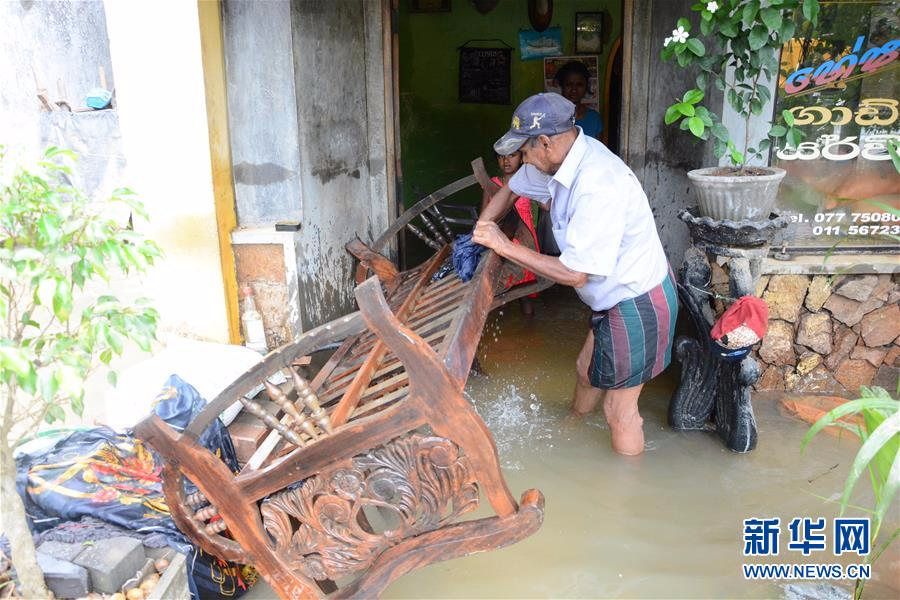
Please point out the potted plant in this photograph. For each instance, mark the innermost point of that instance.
(737, 48)
(57, 248)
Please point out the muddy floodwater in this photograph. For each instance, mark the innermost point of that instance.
(667, 524)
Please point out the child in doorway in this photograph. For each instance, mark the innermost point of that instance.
(509, 164)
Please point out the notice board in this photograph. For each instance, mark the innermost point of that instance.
(484, 75)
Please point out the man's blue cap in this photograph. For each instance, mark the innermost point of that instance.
(541, 114)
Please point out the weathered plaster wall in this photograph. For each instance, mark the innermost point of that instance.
(307, 123)
(64, 59)
(660, 155)
(262, 111)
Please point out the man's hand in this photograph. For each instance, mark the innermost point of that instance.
(488, 234)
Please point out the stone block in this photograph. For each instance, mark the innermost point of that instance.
(844, 341)
(815, 332)
(65, 580)
(173, 585)
(875, 356)
(886, 377)
(818, 293)
(892, 356)
(885, 289)
(772, 380)
(850, 312)
(61, 550)
(165, 552)
(818, 381)
(778, 345)
(111, 562)
(854, 373)
(785, 296)
(718, 275)
(881, 326)
(857, 287)
(761, 285)
(808, 361)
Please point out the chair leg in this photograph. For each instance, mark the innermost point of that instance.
(470, 433)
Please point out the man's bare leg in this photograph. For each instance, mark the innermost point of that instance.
(586, 397)
(625, 423)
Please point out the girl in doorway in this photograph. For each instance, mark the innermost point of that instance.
(509, 164)
(573, 80)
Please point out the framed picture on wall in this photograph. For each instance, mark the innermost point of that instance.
(588, 33)
(429, 6)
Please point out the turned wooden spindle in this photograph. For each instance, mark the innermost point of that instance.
(215, 527)
(442, 221)
(266, 417)
(311, 401)
(206, 513)
(418, 233)
(435, 234)
(298, 419)
(196, 499)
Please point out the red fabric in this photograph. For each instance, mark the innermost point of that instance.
(748, 310)
(523, 207)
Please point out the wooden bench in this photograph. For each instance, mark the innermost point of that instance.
(370, 464)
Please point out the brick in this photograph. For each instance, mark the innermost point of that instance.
(65, 580)
(111, 562)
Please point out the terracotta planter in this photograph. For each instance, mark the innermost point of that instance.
(736, 198)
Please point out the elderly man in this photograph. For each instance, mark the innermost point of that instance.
(610, 254)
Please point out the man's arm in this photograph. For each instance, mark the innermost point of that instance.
(488, 234)
(498, 205)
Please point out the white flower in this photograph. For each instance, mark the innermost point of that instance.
(679, 35)
(712, 6)
(667, 42)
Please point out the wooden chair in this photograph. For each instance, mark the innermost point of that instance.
(369, 466)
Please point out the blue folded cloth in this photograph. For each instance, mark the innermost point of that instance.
(465, 256)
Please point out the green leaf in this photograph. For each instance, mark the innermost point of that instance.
(55, 413)
(771, 17)
(867, 452)
(720, 84)
(62, 300)
(707, 25)
(848, 408)
(759, 35)
(718, 148)
(692, 96)
(787, 30)
(696, 126)
(106, 356)
(720, 132)
(684, 59)
(729, 30)
(78, 405)
(685, 109)
(112, 378)
(777, 131)
(893, 148)
(733, 99)
(749, 13)
(811, 11)
(788, 117)
(888, 492)
(15, 360)
(696, 46)
(756, 107)
(764, 144)
(702, 80)
(794, 136)
(682, 22)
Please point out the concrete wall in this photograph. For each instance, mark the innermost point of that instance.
(58, 46)
(307, 122)
(661, 155)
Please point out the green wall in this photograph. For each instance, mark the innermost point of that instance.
(438, 135)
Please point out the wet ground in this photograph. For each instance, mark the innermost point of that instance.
(667, 524)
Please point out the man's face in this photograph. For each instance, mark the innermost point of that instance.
(541, 154)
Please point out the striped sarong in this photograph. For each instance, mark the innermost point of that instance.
(633, 339)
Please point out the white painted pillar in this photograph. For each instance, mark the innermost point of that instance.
(156, 58)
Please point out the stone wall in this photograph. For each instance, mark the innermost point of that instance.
(829, 333)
